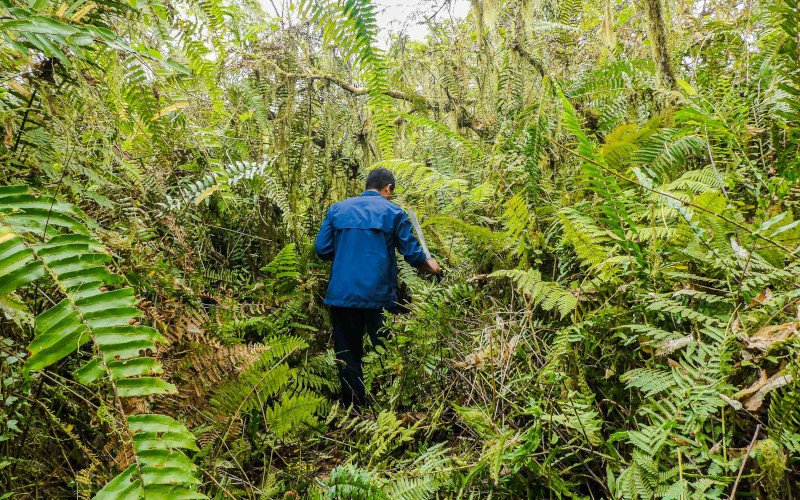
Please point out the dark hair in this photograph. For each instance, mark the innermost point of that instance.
(380, 178)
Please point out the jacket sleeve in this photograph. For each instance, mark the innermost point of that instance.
(407, 243)
(324, 243)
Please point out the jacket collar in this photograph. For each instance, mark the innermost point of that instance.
(370, 193)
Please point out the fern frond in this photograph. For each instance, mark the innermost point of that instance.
(784, 409)
(348, 482)
(591, 243)
(261, 381)
(548, 295)
(283, 270)
(383, 435)
(420, 180)
(667, 151)
(648, 380)
(517, 217)
(672, 306)
(417, 488)
(293, 412)
(580, 417)
(443, 130)
(75, 262)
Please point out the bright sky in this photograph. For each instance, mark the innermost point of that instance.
(394, 16)
(409, 15)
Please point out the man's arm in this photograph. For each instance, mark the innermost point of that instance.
(324, 243)
(410, 248)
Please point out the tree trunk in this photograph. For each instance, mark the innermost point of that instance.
(658, 42)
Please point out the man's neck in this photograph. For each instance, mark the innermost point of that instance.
(380, 192)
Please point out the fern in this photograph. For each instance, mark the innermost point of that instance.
(283, 269)
(680, 398)
(204, 362)
(784, 410)
(224, 179)
(318, 374)
(517, 219)
(262, 380)
(593, 244)
(293, 412)
(649, 381)
(195, 52)
(30, 30)
(788, 85)
(75, 262)
(388, 432)
(546, 294)
(597, 179)
(379, 437)
(669, 305)
(418, 488)
(419, 180)
(663, 153)
(697, 181)
(440, 129)
(352, 483)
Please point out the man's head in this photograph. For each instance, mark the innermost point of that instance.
(382, 181)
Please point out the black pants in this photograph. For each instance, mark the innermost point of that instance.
(349, 325)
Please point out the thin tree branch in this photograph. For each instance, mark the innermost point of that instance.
(517, 47)
(464, 118)
(24, 120)
(744, 461)
(412, 98)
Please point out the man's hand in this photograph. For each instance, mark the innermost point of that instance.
(431, 266)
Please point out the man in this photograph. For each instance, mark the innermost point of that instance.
(360, 235)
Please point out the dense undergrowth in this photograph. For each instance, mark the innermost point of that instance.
(611, 187)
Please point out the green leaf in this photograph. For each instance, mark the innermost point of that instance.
(165, 458)
(167, 475)
(111, 316)
(20, 277)
(76, 264)
(164, 440)
(126, 350)
(134, 367)
(167, 492)
(143, 386)
(89, 372)
(123, 487)
(153, 422)
(111, 336)
(122, 298)
(54, 347)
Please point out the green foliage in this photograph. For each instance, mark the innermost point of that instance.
(28, 29)
(545, 294)
(347, 482)
(352, 25)
(618, 313)
(75, 263)
(283, 269)
(265, 378)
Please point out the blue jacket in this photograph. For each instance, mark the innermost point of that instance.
(360, 235)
